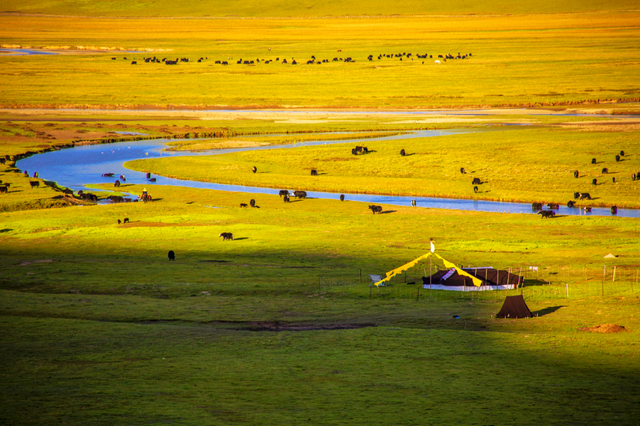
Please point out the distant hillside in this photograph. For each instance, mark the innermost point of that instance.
(307, 8)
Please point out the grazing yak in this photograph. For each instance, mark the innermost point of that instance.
(119, 221)
(475, 189)
(594, 181)
(593, 161)
(617, 158)
(116, 198)
(117, 183)
(34, 184)
(226, 236)
(286, 198)
(4, 189)
(613, 180)
(571, 204)
(462, 170)
(172, 255)
(341, 197)
(553, 206)
(107, 175)
(621, 153)
(300, 194)
(148, 175)
(283, 192)
(152, 180)
(476, 181)
(243, 205)
(402, 153)
(585, 196)
(252, 202)
(576, 174)
(126, 220)
(375, 209)
(314, 172)
(254, 169)
(413, 203)
(536, 206)
(576, 195)
(605, 171)
(547, 213)
(587, 209)
(614, 210)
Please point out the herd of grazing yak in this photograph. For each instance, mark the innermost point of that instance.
(311, 61)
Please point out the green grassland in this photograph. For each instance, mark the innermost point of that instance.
(517, 60)
(280, 326)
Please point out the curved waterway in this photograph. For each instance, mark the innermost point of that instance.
(82, 165)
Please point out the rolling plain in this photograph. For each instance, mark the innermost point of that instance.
(281, 325)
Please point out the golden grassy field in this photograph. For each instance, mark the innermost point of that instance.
(546, 59)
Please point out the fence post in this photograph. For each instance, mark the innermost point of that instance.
(604, 271)
(614, 274)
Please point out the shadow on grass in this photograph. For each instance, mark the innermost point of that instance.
(241, 238)
(388, 211)
(546, 311)
(5, 230)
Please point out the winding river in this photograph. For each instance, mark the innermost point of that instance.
(82, 165)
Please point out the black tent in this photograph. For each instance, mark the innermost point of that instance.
(492, 279)
(514, 307)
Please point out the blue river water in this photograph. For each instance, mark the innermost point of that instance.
(76, 167)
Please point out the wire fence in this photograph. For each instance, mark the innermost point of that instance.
(540, 283)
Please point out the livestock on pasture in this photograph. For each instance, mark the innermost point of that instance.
(617, 158)
(126, 220)
(576, 195)
(375, 209)
(594, 181)
(576, 174)
(536, 206)
(171, 255)
(614, 210)
(226, 236)
(252, 202)
(314, 172)
(283, 192)
(4, 189)
(587, 209)
(119, 221)
(254, 169)
(571, 204)
(243, 205)
(300, 194)
(605, 171)
(585, 196)
(547, 213)
(148, 175)
(286, 198)
(413, 203)
(107, 175)
(621, 153)
(152, 180)
(35, 175)
(117, 183)
(476, 181)
(593, 161)
(462, 170)
(475, 189)
(341, 197)
(402, 152)
(116, 198)
(613, 179)
(34, 184)
(553, 206)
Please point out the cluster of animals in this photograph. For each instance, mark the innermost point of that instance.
(126, 220)
(311, 61)
(582, 195)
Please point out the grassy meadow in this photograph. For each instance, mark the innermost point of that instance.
(516, 60)
(280, 326)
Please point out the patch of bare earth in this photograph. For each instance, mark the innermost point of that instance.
(604, 328)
